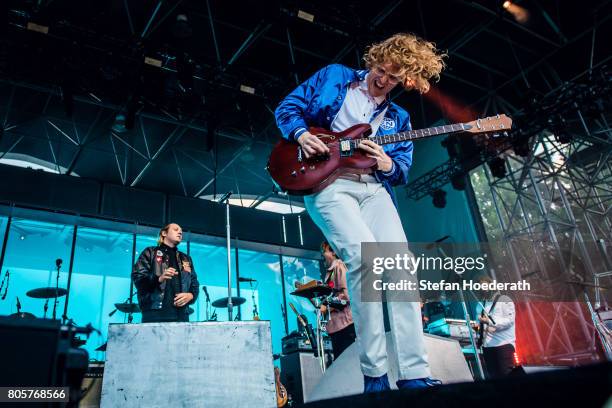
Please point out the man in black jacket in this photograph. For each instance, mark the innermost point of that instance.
(165, 279)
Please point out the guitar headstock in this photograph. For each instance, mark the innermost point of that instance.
(492, 124)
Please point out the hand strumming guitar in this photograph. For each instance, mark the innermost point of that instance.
(312, 145)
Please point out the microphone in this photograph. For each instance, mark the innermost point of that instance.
(58, 262)
(246, 280)
(206, 293)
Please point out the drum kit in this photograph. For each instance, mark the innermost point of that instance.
(41, 293)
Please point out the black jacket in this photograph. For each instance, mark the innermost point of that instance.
(149, 268)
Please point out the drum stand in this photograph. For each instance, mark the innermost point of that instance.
(321, 327)
(316, 293)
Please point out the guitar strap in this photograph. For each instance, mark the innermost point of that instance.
(495, 299)
(375, 124)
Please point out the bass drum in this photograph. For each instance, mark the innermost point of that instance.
(22, 315)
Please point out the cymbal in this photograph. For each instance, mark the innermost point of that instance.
(128, 307)
(311, 292)
(236, 301)
(23, 315)
(46, 293)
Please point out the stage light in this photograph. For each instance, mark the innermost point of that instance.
(439, 198)
(451, 145)
(517, 362)
(39, 28)
(458, 182)
(497, 167)
(521, 146)
(119, 124)
(557, 127)
(520, 14)
(154, 62)
(305, 16)
(563, 137)
(247, 89)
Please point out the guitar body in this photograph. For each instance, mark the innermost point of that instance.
(297, 175)
(281, 392)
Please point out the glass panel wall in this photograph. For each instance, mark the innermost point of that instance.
(266, 292)
(210, 263)
(100, 278)
(103, 261)
(31, 253)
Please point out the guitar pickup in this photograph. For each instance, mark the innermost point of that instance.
(346, 148)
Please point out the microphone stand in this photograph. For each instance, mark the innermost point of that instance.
(207, 311)
(466, 315)
(230, 305)
(128, 300)
(255, 312)
(55, 302)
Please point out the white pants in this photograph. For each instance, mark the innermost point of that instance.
(351, 212)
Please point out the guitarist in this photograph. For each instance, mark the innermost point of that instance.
(360, 208)
(496, 329)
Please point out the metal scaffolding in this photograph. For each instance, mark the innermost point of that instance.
(553, 211)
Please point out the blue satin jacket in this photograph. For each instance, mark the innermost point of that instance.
(317, 101)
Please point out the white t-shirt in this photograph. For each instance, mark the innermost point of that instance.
(503, 332)
(358, 107)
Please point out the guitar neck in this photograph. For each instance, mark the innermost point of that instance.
(419, 133)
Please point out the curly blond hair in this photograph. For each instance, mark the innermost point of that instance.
(418, 60)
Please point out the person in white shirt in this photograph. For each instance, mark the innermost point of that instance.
(499, 343)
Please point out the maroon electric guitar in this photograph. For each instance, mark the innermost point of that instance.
(298, 175)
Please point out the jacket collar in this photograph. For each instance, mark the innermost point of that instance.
(360, 74)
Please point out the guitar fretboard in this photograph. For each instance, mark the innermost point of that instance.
(415, 134)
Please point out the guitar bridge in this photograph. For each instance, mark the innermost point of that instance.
(346, 149)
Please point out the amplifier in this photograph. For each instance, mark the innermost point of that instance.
(295, 343)
(300, 374)
(91, 387)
